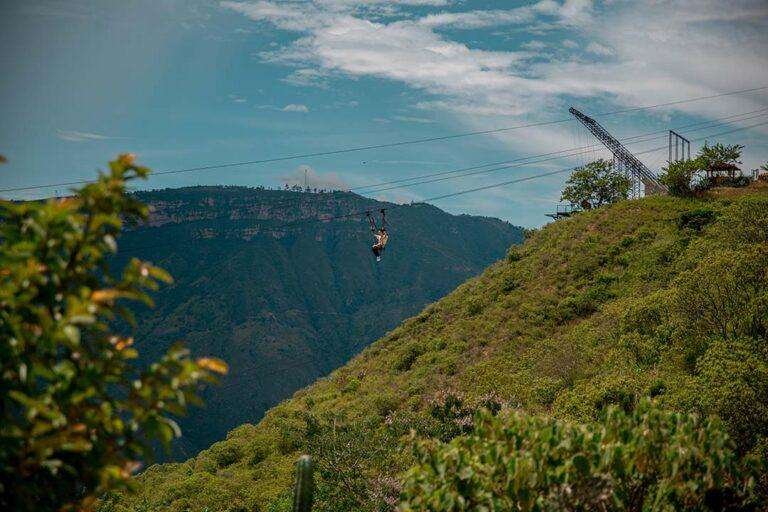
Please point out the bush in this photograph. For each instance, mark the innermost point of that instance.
(409, 356)
(733, 382)
(678, 176)
(646, 460)
(77, 415)
(696, 220)
(226, 454)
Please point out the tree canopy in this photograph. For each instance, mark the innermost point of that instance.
(596, 184)
(78, 416)
(720, 159)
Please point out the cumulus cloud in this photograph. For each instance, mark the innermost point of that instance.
(599, 49)
(686, 48)
(295, 107)
(682, 51)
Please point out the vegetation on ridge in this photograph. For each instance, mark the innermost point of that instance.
(661, 297)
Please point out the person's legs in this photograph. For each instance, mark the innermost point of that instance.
(377, 252)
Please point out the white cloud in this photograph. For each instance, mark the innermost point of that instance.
(412, 119)
(315, 179)
(76, 136)
(305, 77)
(294, 107)
(534, 45)
(686, 48)
(599, 49)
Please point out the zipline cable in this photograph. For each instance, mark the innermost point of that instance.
(400, 143)
(289, 225)
(713, 122)
(528, 160)
(484, 171)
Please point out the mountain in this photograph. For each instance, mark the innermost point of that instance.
(285, 299)
(660, 297)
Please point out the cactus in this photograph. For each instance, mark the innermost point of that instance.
(305, 485)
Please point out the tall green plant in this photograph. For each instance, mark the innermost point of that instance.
(305, 485)
(76, 415)
(648, 460)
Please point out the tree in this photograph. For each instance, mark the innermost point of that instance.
(721, 159)
(77, 416)
(596, 184)
(649, 459)
(678, 176)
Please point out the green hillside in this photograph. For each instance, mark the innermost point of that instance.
(658, 297)
(284, 306)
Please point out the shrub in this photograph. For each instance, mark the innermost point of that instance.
(259, 454)
(77, 415)
(733, 382)
(678, 176)
(646, 460)
(226, 454)
(408, 357)
(696, 220)
(725, 295)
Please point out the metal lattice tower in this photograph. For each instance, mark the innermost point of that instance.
(679, 147)
(644, 181)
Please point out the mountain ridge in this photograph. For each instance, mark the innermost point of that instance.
(284, 298)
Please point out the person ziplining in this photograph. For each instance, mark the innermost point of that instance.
(380, 234)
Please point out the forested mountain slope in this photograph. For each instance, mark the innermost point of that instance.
(658, 297)
(285, 305)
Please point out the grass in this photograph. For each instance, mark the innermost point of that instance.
(592, 310)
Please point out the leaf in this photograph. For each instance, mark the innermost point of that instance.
(213, 364)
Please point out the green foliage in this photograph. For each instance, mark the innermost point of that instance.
(636, 284)
(649, 459)
(696, 220)
(678, 176)
(77, 415)
(304, 488)
(342, 449)
(721, 159)
(595, 184)
(726, 295)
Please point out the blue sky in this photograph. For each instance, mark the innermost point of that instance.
(184, 83)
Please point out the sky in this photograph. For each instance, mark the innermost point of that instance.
(188, 83)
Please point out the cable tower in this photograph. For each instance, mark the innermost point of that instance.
(644, 181)
(679, 147)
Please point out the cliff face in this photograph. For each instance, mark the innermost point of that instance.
(284, 306)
